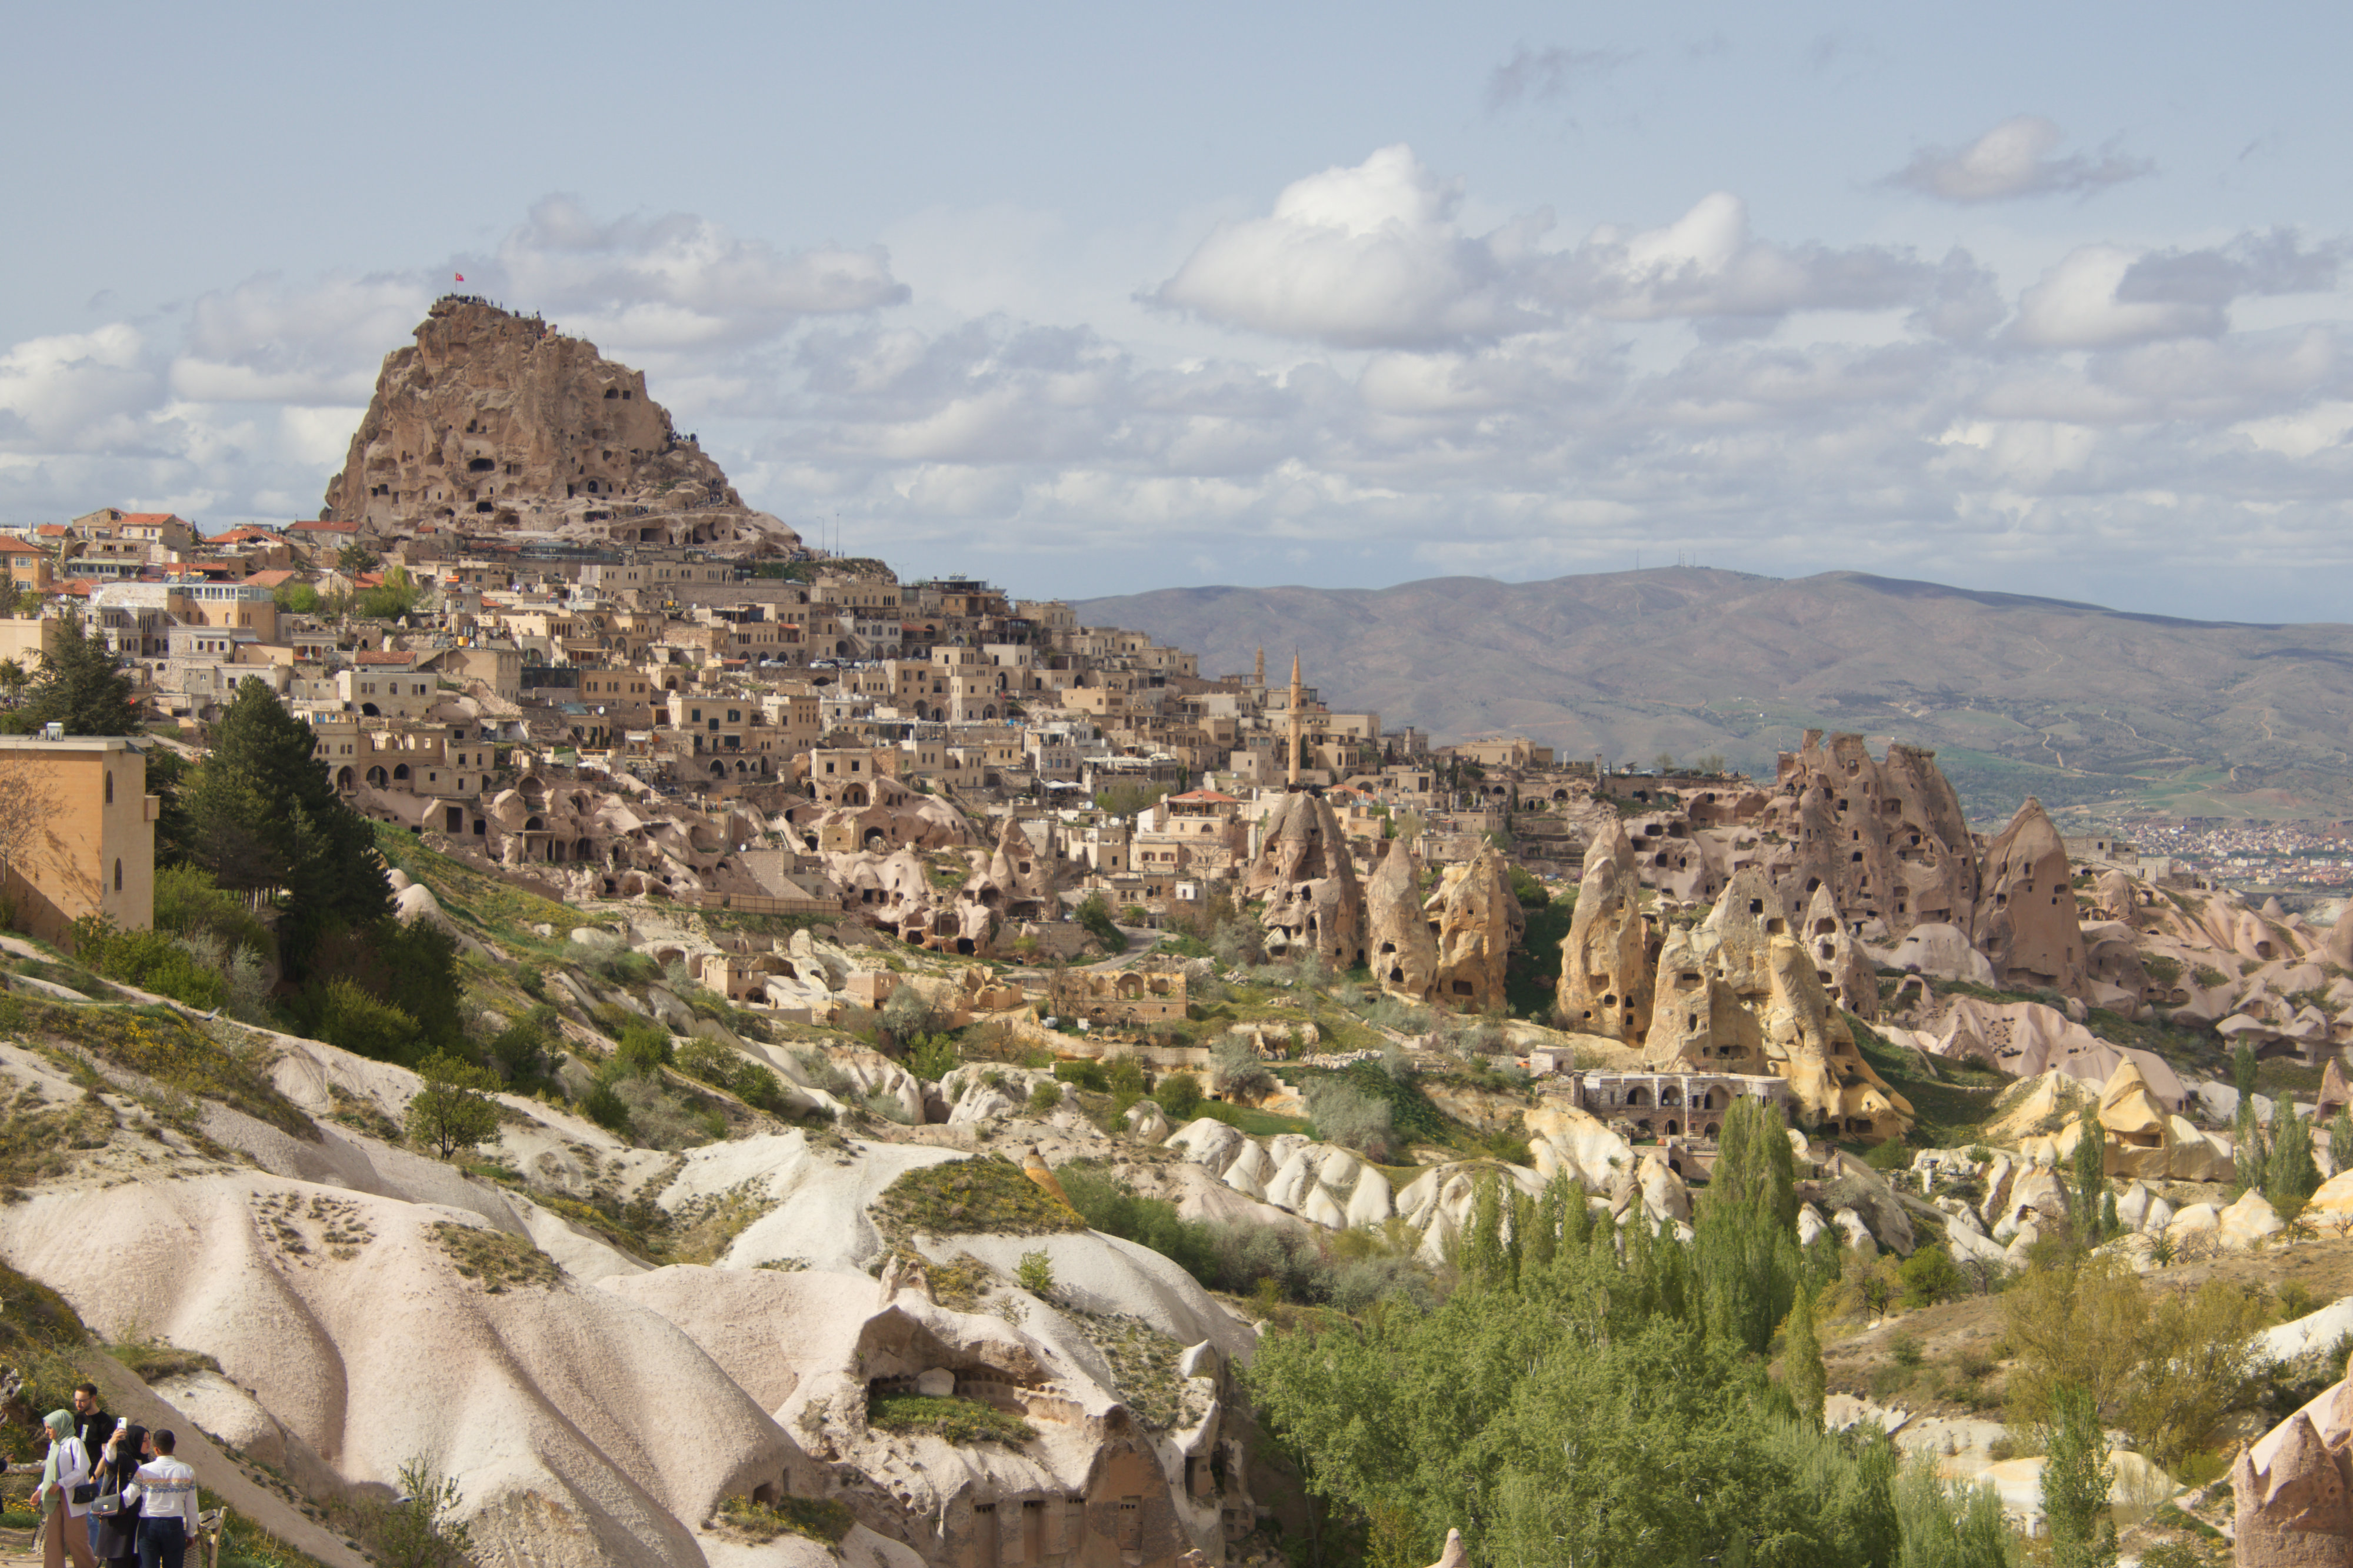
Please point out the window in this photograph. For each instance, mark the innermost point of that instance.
(117, 876)
(109, 795)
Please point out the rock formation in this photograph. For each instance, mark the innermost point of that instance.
(1887, 838)
(1313, 904)
(1404, 951)
(1808, 1043)
(2294, 1508)
(1846, 971)
(1698, 1023)
(494, 421)
(1479, 922)
(1605, 963)
(2025, 922)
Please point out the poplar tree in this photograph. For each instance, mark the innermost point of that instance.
(2076, 1477)
(1802, 1373)
(2091, 1173)
(2246, 1136)
(1745, 1239)
(2290, 1175)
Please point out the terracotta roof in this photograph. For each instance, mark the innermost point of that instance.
(323, 527)
(270, 579)
(150, 517)
(243, 534)
(18, 547)
(1207, 797)
(52, 530)
(380, 657)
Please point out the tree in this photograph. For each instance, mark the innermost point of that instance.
(168, 773)
(83, 685)
(263, 817)
(451, 1109)
(1179, 1095)
(2076, 1477)
(2247, 1134)
(1095, 915)
(2290, 1176)
(1949, 1526)
(2091, 1172)
(1745, 1245)
(353, 559)
(415, 1529)
(1802, 1373)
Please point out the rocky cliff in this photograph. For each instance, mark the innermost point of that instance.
(493, 421)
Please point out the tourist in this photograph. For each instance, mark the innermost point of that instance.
(91, 1425)
(114, 1538)
(167, 1504)
(66, 1467)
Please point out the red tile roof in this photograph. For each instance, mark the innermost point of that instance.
(270, 579)
(401, 658)
(150, 517)
(18, 547)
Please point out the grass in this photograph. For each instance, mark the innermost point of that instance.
(1257, 1123)
(819, 1519)
(494, 908)
(161, 1045)
(957, 1420)
(986, 1196)
(38, 1138)
(1950, 1111)
(154, 1361)
(1143, 1363)
(494, 1257)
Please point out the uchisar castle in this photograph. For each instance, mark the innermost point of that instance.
(844, 963)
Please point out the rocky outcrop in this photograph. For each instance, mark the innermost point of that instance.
(1605, 964)
(1887, 838)
(1313, 904)
(1698, 1023)
(495, 421)
(2292, 1505)
(1808, 1043)
(2026, 923)
(1404, 952)
(1847, 972)
(1479, 923)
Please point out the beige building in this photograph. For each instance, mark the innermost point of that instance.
(77, 831)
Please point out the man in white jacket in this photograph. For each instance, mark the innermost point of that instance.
(167, 1504)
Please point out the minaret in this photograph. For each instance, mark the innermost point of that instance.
(1259, 679)
(1298, 721)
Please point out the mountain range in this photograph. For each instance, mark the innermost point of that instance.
(2105, 714)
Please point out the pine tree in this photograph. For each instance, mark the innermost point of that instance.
(82, 685)
(1802, 1373)
(263, 817)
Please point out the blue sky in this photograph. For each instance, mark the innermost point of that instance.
(1094, 300)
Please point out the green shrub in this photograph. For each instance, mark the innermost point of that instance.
(1179, 1095)
(1045, 1098)
(1095, 915)
(932, 1057)
(1035, 1273)
(350, 1017)
(1086, 1075)
(643, 1050)
(957, 1420)
(818, 1519)
(968, 1196)
(1931, 1276)
(605, 1108)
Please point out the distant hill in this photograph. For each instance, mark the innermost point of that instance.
(2109, 714)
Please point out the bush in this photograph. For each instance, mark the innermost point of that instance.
(1086, 1075)
(1931, 1276)
(600, 1105)
(350, 1017)
(1345, 1114)
(932, 1057)
(642, 1050)
(1239, 1074)
(1045, 1098)
(1095, 915)
(451, 1109)
(1035, 1274)
(957, 1420)
(1179, 1095)
(415, 1529)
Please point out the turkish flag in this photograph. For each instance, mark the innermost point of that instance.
(462, 278)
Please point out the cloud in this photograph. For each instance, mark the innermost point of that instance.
(677, 281)
(1543, 76)
(2273, 262)
(266, 341)
(2014, 160)
(1368, 256)
(1706, 263)
(2076, 305)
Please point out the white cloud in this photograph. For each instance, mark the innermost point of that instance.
(1368, 256)
(2075, 306)
(2011, 160)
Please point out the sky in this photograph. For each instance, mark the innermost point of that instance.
(1096, 299)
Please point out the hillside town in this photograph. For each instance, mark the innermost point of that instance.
(942, 1043)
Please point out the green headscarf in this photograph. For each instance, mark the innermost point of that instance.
(59, 1423)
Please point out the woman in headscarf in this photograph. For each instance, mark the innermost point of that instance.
(114, 1538)
(66, 1467)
